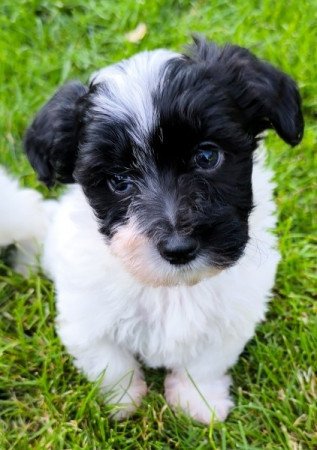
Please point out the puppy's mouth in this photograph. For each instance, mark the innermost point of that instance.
(172, 263)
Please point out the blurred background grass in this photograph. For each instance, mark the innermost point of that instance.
(44, 402)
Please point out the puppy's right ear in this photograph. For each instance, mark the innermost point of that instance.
(51, 142)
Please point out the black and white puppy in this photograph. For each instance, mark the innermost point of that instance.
(160, 251)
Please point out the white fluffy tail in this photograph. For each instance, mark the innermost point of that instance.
(24, 217)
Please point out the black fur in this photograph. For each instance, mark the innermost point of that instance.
(266, 97)
(225, 96)
(51, 142)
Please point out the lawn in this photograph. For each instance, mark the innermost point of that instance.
(45, 403)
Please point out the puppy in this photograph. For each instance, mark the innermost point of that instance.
(161, 252)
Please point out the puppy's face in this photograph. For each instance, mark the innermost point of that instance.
(162, 145)
(166, 164)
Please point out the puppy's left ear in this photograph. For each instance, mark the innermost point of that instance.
(268, 97)
(51, 142)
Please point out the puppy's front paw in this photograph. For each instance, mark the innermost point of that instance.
(125, 400)
(204, 401)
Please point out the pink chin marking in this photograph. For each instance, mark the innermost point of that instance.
(144, 263)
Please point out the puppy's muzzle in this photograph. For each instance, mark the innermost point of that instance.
(177, 249)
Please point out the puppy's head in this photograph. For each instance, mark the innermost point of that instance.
(162, 146)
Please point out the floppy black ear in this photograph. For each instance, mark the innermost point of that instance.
(268, 98)
(52, 139)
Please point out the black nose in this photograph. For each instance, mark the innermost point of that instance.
(178, 249)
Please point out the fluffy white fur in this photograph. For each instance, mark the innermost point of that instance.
(23, 220)
(132, 99)
(109, 318)
(106, 317)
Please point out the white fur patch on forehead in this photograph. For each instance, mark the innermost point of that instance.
(128, 89)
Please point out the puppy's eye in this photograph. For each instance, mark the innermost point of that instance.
(120, 184)
(208, 156)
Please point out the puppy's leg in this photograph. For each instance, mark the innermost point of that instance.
(120, 374)
(201, 389)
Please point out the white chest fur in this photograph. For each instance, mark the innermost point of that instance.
(165, 326)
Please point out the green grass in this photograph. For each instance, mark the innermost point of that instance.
(45, 403)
